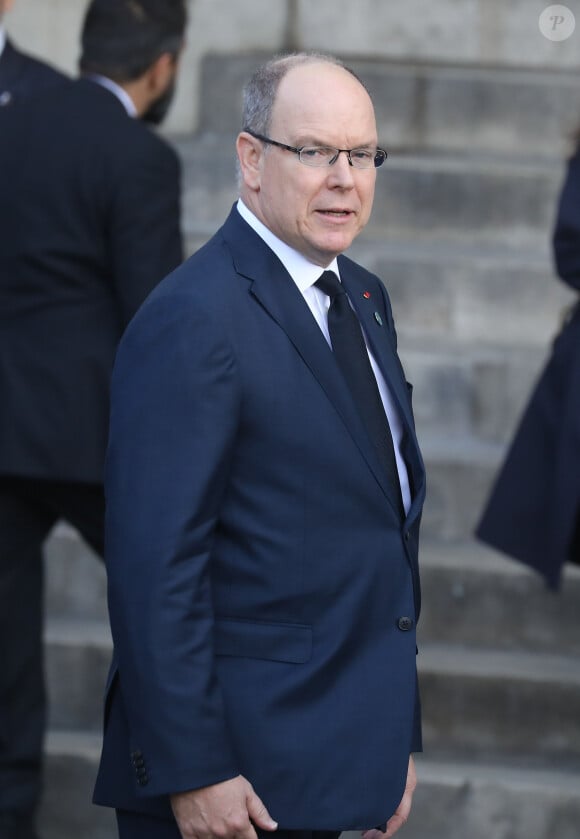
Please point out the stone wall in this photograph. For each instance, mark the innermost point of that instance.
(472, 32)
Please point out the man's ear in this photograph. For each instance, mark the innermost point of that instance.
(161, 72)
(250, 153)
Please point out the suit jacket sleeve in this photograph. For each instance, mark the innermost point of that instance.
(145, 232)
(567, 230)
(173, 425)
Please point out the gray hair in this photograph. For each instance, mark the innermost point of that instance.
(260, 92)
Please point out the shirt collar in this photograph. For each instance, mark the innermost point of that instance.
(2, 39)
(303, 272)
(117, 91)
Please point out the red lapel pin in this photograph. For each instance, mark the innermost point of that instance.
(367, 295)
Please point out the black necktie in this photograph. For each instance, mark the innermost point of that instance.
(350, 350)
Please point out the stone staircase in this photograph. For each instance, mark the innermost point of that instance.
(460, 235)
(78, 647)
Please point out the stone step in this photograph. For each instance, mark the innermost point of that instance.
(458, 800)
(460, 472)
(491, 202)
(476, 597)
(476, 698)
(460, 468)
(461, 388)
(473, 595)
(71, 767)
(428, 106)
(487, 704)
(78, 654)
(496, 296)
(461, 198)
(453, 799)
(75, 580)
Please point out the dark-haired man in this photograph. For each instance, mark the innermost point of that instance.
(21, 75)
(90, 223)
(264, 490)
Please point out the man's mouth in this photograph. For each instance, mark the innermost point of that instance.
(336, 213)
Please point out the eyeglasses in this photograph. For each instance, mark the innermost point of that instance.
(326, 156)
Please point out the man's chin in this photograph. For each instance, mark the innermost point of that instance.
(330, 246)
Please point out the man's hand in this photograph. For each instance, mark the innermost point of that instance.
(401, 814)
(224, 810)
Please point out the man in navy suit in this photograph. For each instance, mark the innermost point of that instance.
(261, 537)
(21, 75)
(89, 202)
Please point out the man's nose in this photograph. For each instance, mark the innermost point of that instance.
(341, 173)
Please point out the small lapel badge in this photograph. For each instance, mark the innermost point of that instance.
(378, 319)
(367, 295)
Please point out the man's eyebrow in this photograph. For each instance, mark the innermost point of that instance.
(310, 140)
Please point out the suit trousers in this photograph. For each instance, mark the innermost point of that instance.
(28, 510)
(139, 826)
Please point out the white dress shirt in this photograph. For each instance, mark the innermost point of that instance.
(117, 90)
(2, 39)
(305, 274)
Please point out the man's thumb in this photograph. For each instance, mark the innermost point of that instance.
(258, 813)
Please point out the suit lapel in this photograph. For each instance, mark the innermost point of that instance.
(370, 311)
(9, 69)
(278, 294)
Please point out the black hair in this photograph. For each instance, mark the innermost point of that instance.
(121, 39)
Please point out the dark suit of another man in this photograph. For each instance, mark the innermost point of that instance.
(89, 203)
(22, 76)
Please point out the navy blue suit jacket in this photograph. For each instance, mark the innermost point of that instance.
(90, 209)
(533, 513)
(263, 589)
(22, 76)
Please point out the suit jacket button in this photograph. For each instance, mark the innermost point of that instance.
(405, 624)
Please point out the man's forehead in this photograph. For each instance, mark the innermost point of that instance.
(310, 77)
(318, 85)
(322, 94)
